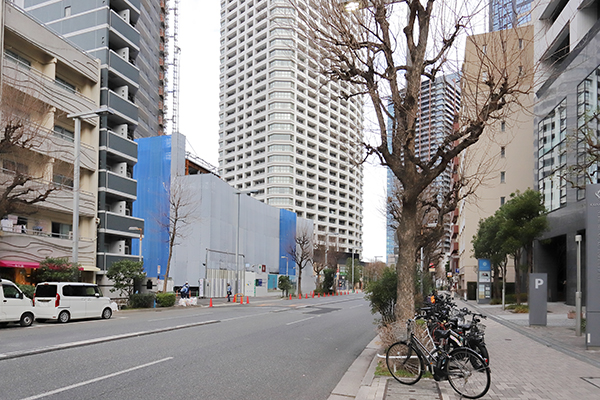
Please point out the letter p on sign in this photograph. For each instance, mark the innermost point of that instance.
(538, 282)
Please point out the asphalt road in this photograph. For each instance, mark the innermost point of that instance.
(273, 349)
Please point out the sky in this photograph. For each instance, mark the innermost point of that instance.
(199, 23)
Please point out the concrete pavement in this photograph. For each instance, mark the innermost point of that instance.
(548, 362)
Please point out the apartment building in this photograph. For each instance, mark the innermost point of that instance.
(503, 158)
(286, 133)
(45, 79)
(128, 36)
(439, 104)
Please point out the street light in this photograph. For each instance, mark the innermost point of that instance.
(237, 238)
(77, 117)
(135, 228)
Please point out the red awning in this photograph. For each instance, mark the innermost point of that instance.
(18, 264)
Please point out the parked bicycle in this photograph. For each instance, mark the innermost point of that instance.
(466, 371)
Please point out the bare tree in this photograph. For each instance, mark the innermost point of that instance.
(21, 120)
(182, 209)
(302, 253)
(386, 54)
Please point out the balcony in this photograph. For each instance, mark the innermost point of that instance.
(122, 107)
(123, 67)
(454, 231)
(117, 224)
(105, 260)
(125, 30)
(117, 184)
(31, 81)
(35, 245)
(120, 147)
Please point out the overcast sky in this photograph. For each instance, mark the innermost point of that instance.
(199, 110)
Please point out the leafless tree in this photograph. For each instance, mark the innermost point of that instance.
(182, 207)
(22, 138)
(301, 253)
(386, 48)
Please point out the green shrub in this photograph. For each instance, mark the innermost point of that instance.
(512, 298)
(142, 300)
(27, 290)
(382, 295)
(165, 299)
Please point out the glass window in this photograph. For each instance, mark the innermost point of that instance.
(11, 292)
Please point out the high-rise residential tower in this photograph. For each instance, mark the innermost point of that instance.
(439, 104)
(286, 132)
(128, 36)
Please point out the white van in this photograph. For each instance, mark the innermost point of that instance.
(63, 301)
(14, 305)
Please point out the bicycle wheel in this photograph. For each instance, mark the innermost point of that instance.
(468, 373)
(404, 363)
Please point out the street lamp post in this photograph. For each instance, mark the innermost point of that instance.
(135, 228)
(77, 117)
(578, 293)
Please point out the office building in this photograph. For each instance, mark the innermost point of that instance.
(286, 132)
(567, 40)
(503, 158)
(506, 14)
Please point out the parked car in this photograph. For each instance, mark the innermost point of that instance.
(64, 301)
(14, 305)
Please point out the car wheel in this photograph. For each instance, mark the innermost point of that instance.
(64, 317)
(26, 319)
(107, 313)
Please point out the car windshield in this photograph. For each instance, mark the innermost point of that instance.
(45, 291)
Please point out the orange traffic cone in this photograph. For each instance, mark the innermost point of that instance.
(247, 300)
(242, 299)
(235, 298)
(290, 296)
(210, 305)
(306, 296)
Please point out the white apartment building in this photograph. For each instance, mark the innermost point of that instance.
(287, 133)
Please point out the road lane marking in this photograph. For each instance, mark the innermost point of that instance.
(360, 305)
(179, 317)
(300, 320)
(101, 378)
(104, 339)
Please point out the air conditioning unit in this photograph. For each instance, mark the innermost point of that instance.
(124, 53)
(125, 14)
(121, 130)
(122, 91)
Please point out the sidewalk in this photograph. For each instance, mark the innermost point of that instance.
(540, 362)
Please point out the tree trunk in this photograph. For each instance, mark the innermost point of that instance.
(299, 281)
(171, 243)
(517, 261)
(405, 266)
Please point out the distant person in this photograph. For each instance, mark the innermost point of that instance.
(228, 292)
(185, 291)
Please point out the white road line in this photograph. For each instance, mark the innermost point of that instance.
(50, 393)
(360, 305)
(179, 317)
(300, 320)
